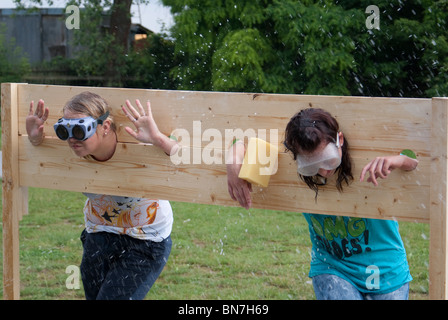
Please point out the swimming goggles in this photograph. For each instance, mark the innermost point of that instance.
(80, 128)
(327, 159)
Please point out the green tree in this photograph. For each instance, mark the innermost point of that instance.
(399, 59)
(271, 46)
(435, 46)
(212, 39)
(149, 67)
(316, 40)
(313, 46)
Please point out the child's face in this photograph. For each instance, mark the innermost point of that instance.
(86, 147)
(323, 161)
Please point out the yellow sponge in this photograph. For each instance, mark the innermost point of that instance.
(260, 162)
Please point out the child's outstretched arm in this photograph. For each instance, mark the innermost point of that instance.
(146, 128)
(382, 166)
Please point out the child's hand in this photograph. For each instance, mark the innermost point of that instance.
(382, 166)
(146, 128)
(35, 122)
(239, 189)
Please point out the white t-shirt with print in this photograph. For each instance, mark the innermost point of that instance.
(140, 218)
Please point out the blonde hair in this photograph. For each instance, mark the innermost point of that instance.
(90, 104)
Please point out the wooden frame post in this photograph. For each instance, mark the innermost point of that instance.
(438, 266)
(14, 197)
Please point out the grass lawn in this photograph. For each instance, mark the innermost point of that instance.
(218, 252)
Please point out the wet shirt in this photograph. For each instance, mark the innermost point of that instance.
(137, 217)
(369, 253)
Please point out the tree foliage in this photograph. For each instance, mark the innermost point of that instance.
(313, 46)
(278, 46)
(150, 67)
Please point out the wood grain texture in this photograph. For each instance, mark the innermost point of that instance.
(14, 195)
(438, 258)
(373, 126)
(142, 170)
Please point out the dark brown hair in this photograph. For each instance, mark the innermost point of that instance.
(306, 131)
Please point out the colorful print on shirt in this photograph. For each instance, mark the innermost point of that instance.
(134, 213)
(139, 218)
(369, 253)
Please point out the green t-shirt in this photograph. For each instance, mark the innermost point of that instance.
(369, 253)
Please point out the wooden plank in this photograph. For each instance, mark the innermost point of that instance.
(380, 124)
(374, 126)
(438, 263)
(14, 196)
(140, 170)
